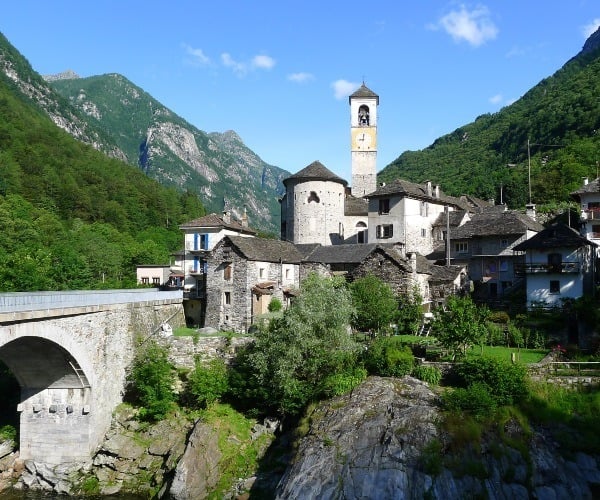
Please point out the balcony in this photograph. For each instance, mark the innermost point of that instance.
(564, 267)
(591, 214)
(196, 271)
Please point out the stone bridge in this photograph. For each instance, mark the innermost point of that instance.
(70, 352)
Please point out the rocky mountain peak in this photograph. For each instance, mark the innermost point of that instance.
(65, 75)
(592, 43)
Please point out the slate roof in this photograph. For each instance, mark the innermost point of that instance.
(316, 171)
(556, 236)
(214, 220)
(445, 273)
(475, 204)
(355, 253)
(492, 223)
(413, 190)
(456, 217)
(590, 187)
(265, 250)
(356, 206)
(363, 91)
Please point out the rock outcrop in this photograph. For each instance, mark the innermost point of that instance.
(384, 440)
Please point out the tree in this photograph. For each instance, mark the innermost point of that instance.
(410, 312)
(460, 325)
(293, 355)
(375, 303)
(208, 381)
(153, 377)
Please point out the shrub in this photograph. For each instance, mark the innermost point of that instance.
(507, 382)
(475, 399)
(208, 382)
(337, 384)
(152, 378)
(430, 374)
(499, 317)
(8, 432)
(275, 305)
(495, 334)
(388, 357)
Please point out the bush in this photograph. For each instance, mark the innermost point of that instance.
(208, 382)
(475, 399)
(430, 374)
(507, 382)
(337, 384)
(495, 334)
(8, 432)
(388, 357)
(152, 378)
(275, 305)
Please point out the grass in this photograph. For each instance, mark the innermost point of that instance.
(525, 356)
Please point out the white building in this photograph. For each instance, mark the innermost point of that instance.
(589, 198)
(559, 264)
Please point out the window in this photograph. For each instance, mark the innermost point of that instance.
(228, 271)
(360, 236)
(384, 206)
(554, 263)
(287, 274)
(261, 272)
(461, 247)
(423, 232)
(424, 209)
(313, 197)
(385, 231)
(227, 298)
(145, 281)
(204, 242)
(363, 116)
(156, 281)
(554, 286)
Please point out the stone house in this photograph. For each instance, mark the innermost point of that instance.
(243, 275)
(407, 213)
(200, 237)
(486, 245)
(559, 264)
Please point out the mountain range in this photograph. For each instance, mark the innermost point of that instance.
(115, 116)
(553, 131)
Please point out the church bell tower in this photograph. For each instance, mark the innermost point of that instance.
(363, 134)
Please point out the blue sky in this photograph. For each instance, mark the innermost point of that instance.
(279, 72)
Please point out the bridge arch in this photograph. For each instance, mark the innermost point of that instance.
(56, 394)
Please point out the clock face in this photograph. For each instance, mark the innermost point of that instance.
(363, 139)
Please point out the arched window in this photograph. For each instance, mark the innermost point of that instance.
(313, 197)
(363, 116)
(361, 232)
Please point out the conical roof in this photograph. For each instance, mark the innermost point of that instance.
(316, 171)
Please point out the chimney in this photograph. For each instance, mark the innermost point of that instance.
(244, 220)
(585, 181)
(413, 263)
(530, 210)
(437, 191)
(226, 217)
(428, 184)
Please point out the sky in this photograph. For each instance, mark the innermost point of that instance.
(279, 73)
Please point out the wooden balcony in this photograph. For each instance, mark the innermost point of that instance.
(564, 267)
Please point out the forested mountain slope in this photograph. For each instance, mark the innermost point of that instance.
(70, 217)
(218, 166)
(560, 117)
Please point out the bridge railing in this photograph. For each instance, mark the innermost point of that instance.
(36, 301)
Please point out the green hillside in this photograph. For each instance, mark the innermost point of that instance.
(70, 217)
(560, 117)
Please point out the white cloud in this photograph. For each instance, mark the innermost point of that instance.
(496, 99)
(591, 27)
(241, 68)
(343, 88)
(300, 77)
(197, 56)
(263, 62)
(238, 68)
(473, 26)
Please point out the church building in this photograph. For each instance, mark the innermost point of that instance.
(318, 206)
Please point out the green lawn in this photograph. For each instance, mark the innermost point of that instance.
(522, 355)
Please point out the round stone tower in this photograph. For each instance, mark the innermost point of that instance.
(313, 206)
